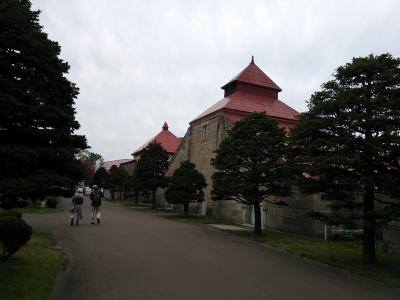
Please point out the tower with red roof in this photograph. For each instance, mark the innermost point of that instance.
(250, 91)
(166, 138)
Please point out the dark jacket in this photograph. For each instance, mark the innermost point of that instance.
(77, 200)
(96, 196)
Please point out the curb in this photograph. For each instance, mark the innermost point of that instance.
(60, 279)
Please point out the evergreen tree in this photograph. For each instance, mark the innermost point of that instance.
(118, 180)
(37, 117)
(185, 186)
(250, 165)
(348, 145)
(151, 168)
(100, 178)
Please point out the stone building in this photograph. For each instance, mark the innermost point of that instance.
(250, 91)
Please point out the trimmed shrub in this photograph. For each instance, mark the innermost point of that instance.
(51, 202)
(11, 213)
(14, 233)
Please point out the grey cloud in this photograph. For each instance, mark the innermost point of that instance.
(140, 63)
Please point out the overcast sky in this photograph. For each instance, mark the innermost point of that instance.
(140, 63)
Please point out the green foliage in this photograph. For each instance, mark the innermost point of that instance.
(348, 144)
(88, 160)
(37, 117)
(11, 213)
(186, 185)
(14, 233)
(51, 202)
(250, 164)
(86, 155)
(118, 178)
(150, 170)
(100, 178)
(32, 271)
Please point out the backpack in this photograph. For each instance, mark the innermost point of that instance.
(96, 198)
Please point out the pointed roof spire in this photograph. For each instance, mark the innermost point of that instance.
(165, 126)
(253, 75)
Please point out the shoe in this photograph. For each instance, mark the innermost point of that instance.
(92, 222)
(77, 224)
(72, 222)
(98, 220)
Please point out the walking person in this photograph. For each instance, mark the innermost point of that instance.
(76, 209)
(96, 196)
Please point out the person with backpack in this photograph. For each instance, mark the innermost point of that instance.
(96, 196)
(76, 209)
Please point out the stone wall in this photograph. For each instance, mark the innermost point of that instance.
(293, 218)
(391, 239)
(201, 149)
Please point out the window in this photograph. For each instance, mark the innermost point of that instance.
(204, 131)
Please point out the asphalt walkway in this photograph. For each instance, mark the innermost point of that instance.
(136, 255)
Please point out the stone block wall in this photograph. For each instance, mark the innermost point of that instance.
(391, 239)
(200, 150)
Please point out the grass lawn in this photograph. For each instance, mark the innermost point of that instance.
(37, 210)
(127, 202)
(343, 254)
(195, 219)
(31, 272)
(41, 210)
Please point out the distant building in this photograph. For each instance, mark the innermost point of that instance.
(250, 91)
(169, 141)
(108, 164)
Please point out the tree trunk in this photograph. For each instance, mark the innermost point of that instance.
(186, 207)
(257, 219)
(153, 200)
(369, 227)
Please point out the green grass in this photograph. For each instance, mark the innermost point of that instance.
(195, 219)
(127, 202)
(41, 210)
(343, 254)
(31, 272)
(37, 210)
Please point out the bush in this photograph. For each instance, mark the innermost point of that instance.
(14, 233)
(11, 213)
(51, 202)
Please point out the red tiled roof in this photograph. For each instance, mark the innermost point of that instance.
(248, 101)
(108, 164)
(166, 138)
(253, 75)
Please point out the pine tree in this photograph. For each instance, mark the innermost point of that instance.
(348, 145)
(118, 180)
(37, 117)
(250, 164)
(151, 168)
(100, 178)
(186, 185)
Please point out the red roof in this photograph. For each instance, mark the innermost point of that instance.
(253, 75)
(247, 100)
(108, 164)
(166, 138)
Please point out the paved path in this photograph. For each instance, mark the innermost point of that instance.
(136, 255)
